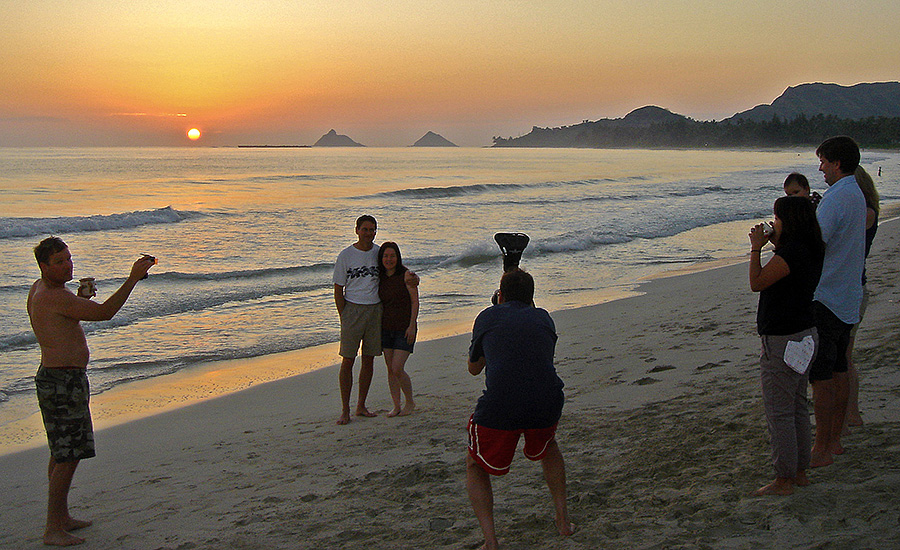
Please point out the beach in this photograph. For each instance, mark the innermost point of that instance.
(663, 435)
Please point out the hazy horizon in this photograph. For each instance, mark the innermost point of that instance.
(266, 72)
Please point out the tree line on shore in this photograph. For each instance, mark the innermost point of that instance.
(682, 132)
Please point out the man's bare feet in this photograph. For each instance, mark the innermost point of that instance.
(819, 460)
(394, 412)
(344, 419)
(61, 538)
(779, 487)
(801, 480)
(73, 524)
(362, 411)
(408, 409)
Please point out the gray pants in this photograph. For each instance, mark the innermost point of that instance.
(786, 404)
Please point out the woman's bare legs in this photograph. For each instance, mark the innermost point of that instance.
(399, 381)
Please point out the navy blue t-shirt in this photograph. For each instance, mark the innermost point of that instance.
(522, 390)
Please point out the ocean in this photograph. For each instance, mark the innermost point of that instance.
(246, 237)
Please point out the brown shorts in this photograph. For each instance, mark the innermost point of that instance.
(360, 323)
(64, 396)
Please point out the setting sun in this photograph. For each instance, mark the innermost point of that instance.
(193, 134)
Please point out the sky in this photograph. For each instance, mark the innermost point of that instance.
(276, 72)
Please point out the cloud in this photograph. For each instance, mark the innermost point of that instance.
(32, 120)
(151, 115)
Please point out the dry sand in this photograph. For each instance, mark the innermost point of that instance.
(663, 435)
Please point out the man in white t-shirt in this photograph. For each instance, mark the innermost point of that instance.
(356, 297)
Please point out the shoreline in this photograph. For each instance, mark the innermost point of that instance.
(210, 380)
(214, 379)
(663, 435)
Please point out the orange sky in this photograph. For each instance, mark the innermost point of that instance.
(112, 72)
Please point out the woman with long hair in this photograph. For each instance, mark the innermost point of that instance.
(400, 304)
(873, 208)
(786, 327)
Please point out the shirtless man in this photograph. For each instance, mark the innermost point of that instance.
(61, 380)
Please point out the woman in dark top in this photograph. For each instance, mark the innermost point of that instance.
(873, 208)
(785, 323)
(400, 304)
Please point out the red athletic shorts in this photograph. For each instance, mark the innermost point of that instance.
(494, 449)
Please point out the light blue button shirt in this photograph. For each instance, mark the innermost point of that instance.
(842, 217)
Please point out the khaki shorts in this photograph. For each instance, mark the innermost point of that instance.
(64, 396)
(360, 323)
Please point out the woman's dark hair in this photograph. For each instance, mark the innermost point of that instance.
(799, 223)
(393, 246)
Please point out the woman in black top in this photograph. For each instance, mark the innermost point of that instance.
(400, 303)
(785, 323)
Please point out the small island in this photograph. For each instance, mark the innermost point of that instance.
(334, 139)
(431, 139)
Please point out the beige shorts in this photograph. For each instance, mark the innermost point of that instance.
(360, 323)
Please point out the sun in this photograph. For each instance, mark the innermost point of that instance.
(193, 134)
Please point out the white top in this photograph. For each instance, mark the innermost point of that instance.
(357, 272)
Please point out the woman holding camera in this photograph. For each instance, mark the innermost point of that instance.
(785, 324)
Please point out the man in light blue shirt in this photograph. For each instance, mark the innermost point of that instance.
(842, 217)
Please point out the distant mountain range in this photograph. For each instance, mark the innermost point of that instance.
(802, 115)
(852, 102)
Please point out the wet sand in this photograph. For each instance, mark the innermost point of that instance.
(663, 435)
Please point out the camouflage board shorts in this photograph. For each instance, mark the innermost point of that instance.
(63, 395)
